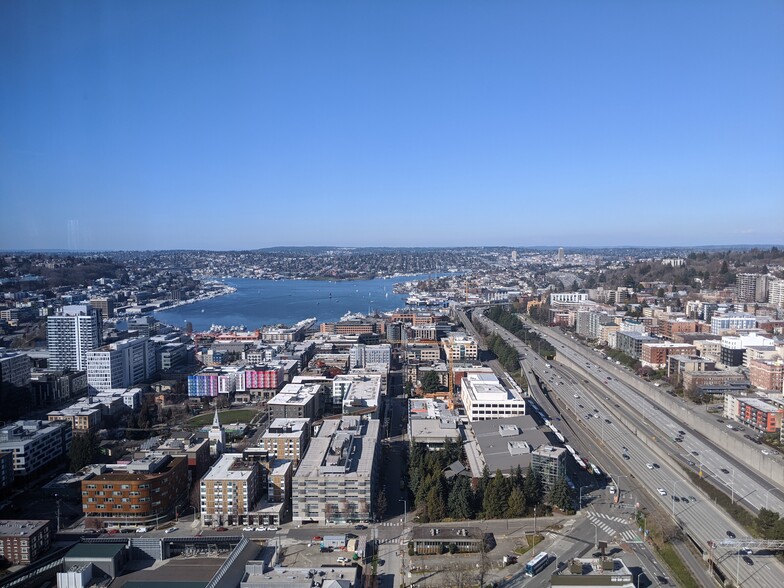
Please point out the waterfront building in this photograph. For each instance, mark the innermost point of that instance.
(70, 334)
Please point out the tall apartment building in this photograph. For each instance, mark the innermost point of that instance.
(776, 292)
(121, 364)
(264, 376)
(751, 288)
(70, 334)
(337, 479)
(24, 541)
(35, 444)
(15, 369)
(279, 481)
(550, 463)
(144, 491)
(212, 381)
(230, 490)
(287, 438)
(6, 471)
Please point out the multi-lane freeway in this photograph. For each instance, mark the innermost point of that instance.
(641, 439)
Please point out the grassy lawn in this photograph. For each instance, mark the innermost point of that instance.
(533, 540)
(242, 415)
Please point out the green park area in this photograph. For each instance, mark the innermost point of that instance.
(242, 415)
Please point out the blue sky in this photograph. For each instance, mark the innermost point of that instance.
(232, 125)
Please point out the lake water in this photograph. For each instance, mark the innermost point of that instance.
(269, 302)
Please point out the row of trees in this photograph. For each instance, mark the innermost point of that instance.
(505, 353)
(770, 524)
(504, 317)
(492, 497)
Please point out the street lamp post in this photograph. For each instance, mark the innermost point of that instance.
(581, 495)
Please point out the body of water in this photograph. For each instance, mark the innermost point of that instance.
(270, 302)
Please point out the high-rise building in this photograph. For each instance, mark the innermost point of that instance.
(70, 334)
(230, 490)
(121, 364)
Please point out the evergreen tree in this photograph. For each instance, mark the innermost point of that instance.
(496, 498)
(430, 381)
(532, 487)
(381, 503)
(460, 500)
(435, 501)
(516, 504)
(516, 479)
(561, 495)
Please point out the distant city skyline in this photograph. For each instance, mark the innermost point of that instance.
(201, 125)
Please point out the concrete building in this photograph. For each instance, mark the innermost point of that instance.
(733, 348)
(267, 376)
(733, 321)
(34, 444)
(712, 379)
(279, 481)
(596, 573)
(557, 298)
(485, 397)
(759, 413)
(677, 365)
(358, 393)
(460, 347)
(431, 423)
(230, 490)
(6, 471)
(505, 443)
(104, 305)
(550, 463)
(336, 480)
(83, 419)
(297, 401)
(121, 365)
(287, 438)
(15, 369)
(171, 356)
(70, 334)
(631, 342)
(24, 541)
(49, 386)
(361, 355)
(437, 540)
(142, 492)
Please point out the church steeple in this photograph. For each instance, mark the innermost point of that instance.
(217, 436)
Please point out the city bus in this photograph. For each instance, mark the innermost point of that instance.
(537, 564)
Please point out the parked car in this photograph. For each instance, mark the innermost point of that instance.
(171, 530)
(141, 529)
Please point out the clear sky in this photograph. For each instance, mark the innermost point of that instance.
(162, 124)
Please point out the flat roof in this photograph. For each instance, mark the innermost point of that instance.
(493, 438)
(224, 469)
(95, 550)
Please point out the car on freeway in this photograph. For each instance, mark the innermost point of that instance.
(608, 421)
(765, 451)
(171, 530)
(655, 465)
(720, 420)
(748, 561)
(661, 491)
(730, 427)
(684, 499)
(221, 529)
(317, 538)
(260, 529)
(695, 452)
(692, 498)
(247, 528)
(682, 432)
(725, 471)
(678, 440)
(141, 529)
(649, 466)
(626, 457)
(360, 527)
(730, 534)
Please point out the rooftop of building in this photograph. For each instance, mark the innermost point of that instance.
(486, 387)
(494, 436)
(230, 466)
(344, 447)
(295, 394)
(21, 527)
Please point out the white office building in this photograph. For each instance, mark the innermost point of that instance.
(361, 355)
(34, 444)
(121, 364)
(71, 334)
(485, 398)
